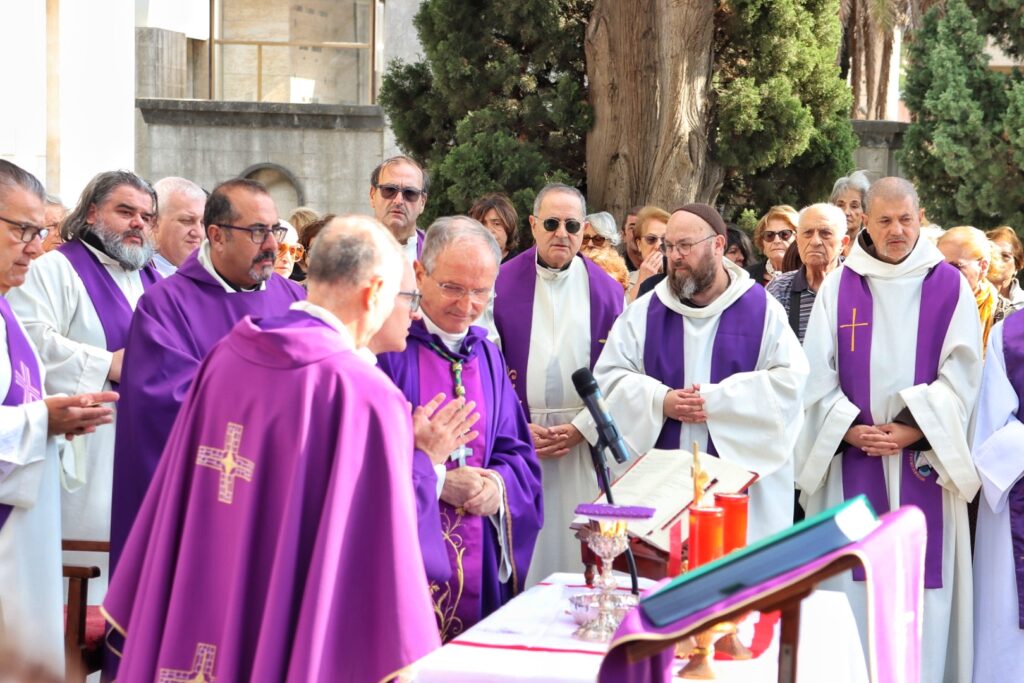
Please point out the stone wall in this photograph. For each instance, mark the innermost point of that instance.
(879, 142)
(317, 155)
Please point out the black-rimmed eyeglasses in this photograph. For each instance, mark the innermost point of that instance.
(26, 231)
(258, 233)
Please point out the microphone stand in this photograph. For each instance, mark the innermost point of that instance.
(597, 454)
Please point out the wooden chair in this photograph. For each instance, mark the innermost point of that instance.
(83, 625)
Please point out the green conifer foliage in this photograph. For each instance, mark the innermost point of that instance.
(965, 148)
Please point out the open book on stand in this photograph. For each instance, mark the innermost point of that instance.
(661, 479)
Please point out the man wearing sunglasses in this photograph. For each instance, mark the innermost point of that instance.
(231, 275)
(398, 195)
(489, 490)
(76, 305)
(709, 358)
(31, 593)
(552, 313)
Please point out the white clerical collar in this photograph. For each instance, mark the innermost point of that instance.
(553, 274)
(739, 282)
(163, 266)
(919, 261)
(207, 263)
(410, 245)
(325, 316)
(452, 341)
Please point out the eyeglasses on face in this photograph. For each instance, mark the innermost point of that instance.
(769, 235)
(413, 298)
(26, 231)
(258, 233)
(409, 194)
(597, 240)
(684, 248)
(572, 226)
(296, 251)
(454, 292)
(652, 240)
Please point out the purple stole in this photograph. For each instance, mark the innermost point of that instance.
(736, 349)
(420, 236)
(863, 473)
(1013, 354)
(111, 305)
(457, 602)
(26, 384)
(513, 312)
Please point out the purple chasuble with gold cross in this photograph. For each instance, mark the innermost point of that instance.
(26, 383)
(513, 312)
(113, 309)
(1013, 355)
(736, 349)
(462, 552)
(863, 473)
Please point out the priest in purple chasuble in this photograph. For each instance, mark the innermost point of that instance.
(31, 585)
(998, 447)
(76, 305)
(709, 357)
(552, 313)
(894, 345)
(176, 323)
(275, 542)
(490, 506)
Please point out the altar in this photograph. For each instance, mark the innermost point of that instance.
(530, 639)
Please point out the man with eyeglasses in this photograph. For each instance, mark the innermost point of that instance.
(709, 358)
(894, 345)
(231, 275)
(178, 228)
(485, 524)
(31, 424)
(284, 499)
(398, 195)
(76, 305)
(553, 311)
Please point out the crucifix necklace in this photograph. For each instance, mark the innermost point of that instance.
(460, 454)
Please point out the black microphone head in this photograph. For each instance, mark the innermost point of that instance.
(583, 380)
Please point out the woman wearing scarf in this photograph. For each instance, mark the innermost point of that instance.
(968, 250)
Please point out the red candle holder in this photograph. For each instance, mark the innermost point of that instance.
(707, 525)
(735, 507)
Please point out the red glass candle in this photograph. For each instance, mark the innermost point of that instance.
(706, 535)
(735, 507)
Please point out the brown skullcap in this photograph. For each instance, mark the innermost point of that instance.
(706, 213)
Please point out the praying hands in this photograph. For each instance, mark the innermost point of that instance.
(554, 442)
(885, 439)
(685, 405)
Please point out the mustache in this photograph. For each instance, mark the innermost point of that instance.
(263, 256)
(133, 232)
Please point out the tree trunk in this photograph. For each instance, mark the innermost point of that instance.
(649, 70)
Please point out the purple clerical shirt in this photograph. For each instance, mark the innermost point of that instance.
(275, 543)
(175, 325)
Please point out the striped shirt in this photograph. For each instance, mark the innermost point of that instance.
(791, 288)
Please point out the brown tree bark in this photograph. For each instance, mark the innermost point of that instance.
(649, 68)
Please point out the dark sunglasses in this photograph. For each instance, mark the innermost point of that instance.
(596, 240)
(770, 235)
(572, 226)
(409, 194)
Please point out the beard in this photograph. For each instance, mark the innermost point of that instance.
(261, 272)
(130, 257)
(699, 279)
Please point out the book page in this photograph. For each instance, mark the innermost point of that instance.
(661, 479)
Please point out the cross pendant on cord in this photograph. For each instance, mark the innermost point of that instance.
(460, 454)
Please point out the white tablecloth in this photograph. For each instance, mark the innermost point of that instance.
(530, 638)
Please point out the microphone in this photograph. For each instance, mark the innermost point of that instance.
(586, 387)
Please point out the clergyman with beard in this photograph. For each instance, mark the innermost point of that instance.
(229, 276)
(710, 357)
(76, 305)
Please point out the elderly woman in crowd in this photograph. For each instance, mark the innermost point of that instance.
(300, 218)
(849, 194)
(967, 249)
(774, 233)
(739, 249)
(600, 237)
(53, 215)
(1007, 259)
(651, 224)
(496, 213)
(288, 251)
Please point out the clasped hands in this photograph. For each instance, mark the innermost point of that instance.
(884, 439)
(685, 405)
(554, 442)
(81, 414)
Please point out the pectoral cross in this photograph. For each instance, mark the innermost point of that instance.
(23, 379)
(460, 454)
(202, 668)
(228, 462)
(853, 325)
